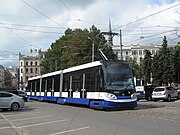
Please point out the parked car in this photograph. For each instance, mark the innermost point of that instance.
(165, 92)
(10, 101)
(144, 92)
(20, 93)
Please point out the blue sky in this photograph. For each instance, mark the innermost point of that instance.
(23, 28)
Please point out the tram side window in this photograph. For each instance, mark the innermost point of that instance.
(43, 86)
(77, 82)
(49, 85)
(56, 84)
(38, 85)
(91, 81)
(29, 87)
(66, 84)
(33, 86)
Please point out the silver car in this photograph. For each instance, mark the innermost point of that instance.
(10, 101)
(164, 92)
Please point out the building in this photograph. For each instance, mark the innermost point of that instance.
(136, 52)
(11, 77)
(1, 76)
(29, 66)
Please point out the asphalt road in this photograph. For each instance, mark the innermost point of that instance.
(41, 118)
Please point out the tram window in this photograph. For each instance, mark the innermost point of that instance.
(38, 85)
(56, 84)
(66, 84)
(90, 82)
(43, 85)
(33, 86)
(77, 82)
(49, 85)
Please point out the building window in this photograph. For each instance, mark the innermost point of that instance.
(140, 52)
(134, 52)
(26, 70)
(31, 70)
(126, 53)
(21, 79)
(36, 70)
(26, 63)
(31, 63)
(26, 78)
(21, 63)
(36, 63)
(21, 70)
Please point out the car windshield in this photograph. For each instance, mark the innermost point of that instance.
(119, 76)
(158, 89)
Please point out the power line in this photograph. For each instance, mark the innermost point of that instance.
(19, 36)
(69, 9)
(32, 26)
(42, 14)
(33, 30)
(145, 37)
(147, 16)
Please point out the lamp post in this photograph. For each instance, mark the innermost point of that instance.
(93, 51)
(92, 56)
(120, 41)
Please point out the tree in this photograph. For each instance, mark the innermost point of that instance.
(75, 48)
(163, 65)
(147, 67)
(177, 63)
(135, 68)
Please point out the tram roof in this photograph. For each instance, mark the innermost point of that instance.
(34, 78)
(84, 66)
(52, 73)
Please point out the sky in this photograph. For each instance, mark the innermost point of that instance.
(36, 24)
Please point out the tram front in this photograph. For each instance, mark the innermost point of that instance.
(119, 85)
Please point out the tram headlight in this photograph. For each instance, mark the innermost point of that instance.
(133, 96)
(110, 96)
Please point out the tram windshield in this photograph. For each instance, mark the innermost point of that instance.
(119, 76)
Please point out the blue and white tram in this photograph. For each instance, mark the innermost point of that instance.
(102, 84)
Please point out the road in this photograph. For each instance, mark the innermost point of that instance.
(41, 118)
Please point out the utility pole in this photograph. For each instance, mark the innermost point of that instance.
(120, 41)
(93, 51)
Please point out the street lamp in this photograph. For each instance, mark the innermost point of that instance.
(92, 48)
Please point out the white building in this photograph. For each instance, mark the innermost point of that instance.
(29, 66)
(136, 52)
(1, 76)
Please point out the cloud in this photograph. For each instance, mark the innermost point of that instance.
(82, 14)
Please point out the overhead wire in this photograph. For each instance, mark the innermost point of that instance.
(42, 13)
(32, 26)
(145, 37)
(47, 32)
(19, 36)
(147, 16)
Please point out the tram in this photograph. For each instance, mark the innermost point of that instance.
(104, 84)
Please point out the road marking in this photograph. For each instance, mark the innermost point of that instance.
(31, 118)
(12, 125)
(38, 124)
(6, 127)
(72, 130)
(11, 115)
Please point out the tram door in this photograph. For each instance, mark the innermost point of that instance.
(83, 90)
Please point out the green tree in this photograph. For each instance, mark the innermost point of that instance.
(135, 68)
(147, 67)
(177, 63)
(163, 65)
(75, 48)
